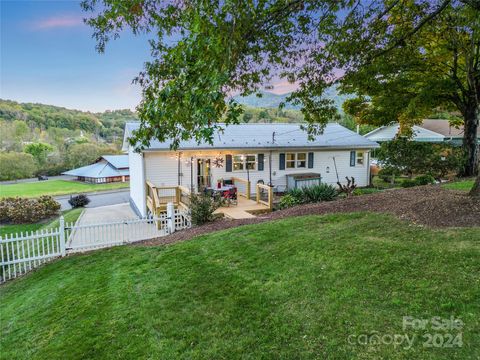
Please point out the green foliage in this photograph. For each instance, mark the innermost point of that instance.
(425, 180)
(311, 194)
(202, 207)
(388, 173)
(398, 61)
(16, 165)
(288, 200)
(39, 151)
(408, 157)
(70, 216)
(23, 210)
(270, 115)
(85, 154)
(320, 192)
(77, 201)
(418, 181)
(47, 132)
(108, 124)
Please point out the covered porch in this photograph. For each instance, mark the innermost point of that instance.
(246, 206)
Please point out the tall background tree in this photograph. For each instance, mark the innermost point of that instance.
(203, 51)
(435, 66)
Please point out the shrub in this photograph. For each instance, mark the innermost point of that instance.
(15, 165)
(22, 210)
(320, 192)
(79, 201)
(297, 194)
(388, 173)
(424, 180)
(418, 181)
(287, 201)
(202, 207)
(408, 183)
(413, 157)
(311, 194)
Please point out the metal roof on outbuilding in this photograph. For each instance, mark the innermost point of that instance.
(118, 161)
(387, 133)
(268, 136)
(100, 169)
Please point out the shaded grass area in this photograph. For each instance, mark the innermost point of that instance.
(464, 185)
(69, 215)
(55, 187)
(294, 288)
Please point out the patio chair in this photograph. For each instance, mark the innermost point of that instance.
(231, 196)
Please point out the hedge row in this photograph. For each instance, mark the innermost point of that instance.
(23, 210)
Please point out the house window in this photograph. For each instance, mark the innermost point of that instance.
(238, 163)
(250, 162)
(243, 162)
(296, 160)
(360, 158)
(290, 161)
(301, 160)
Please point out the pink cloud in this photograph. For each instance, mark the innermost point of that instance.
(61, 21)
(283, 87)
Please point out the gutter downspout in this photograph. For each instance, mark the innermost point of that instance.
(270, 169)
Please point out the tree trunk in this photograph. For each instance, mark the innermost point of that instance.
(470, 118)
(475, 191)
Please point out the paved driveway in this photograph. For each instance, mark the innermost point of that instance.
(110, 225)
(103, 198)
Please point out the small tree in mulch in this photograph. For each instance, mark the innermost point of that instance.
(349, 187)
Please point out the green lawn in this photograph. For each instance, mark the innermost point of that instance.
(55, 187)
(464, 185)
(290, 289)
(69, 215)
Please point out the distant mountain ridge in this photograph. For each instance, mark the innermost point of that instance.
(271, 100)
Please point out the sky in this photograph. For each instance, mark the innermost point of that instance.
(47, 55)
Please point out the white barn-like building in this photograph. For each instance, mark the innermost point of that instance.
(280, 155)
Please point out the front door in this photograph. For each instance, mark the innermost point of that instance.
(203, 173)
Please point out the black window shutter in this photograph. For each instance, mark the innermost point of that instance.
(260, 162)
(281, 165)
(352, 158)
(310, 160)
(228, 163)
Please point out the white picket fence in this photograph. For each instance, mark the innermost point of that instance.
(24, 252)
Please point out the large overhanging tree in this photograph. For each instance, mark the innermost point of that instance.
(401, 57)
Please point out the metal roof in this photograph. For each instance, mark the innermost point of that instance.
(268, 136)
(443, 127)
(100, 169)
(118, 161)
(387, 133)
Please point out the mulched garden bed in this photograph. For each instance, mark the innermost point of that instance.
(429, 205)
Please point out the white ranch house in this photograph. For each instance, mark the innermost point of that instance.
(280, 155)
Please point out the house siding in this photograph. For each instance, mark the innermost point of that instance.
(161, 168)
(137, 182)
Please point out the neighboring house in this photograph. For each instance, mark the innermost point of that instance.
(431, 130)
(249, 154)
(389, 132)
(451, 133)
(108, 168)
